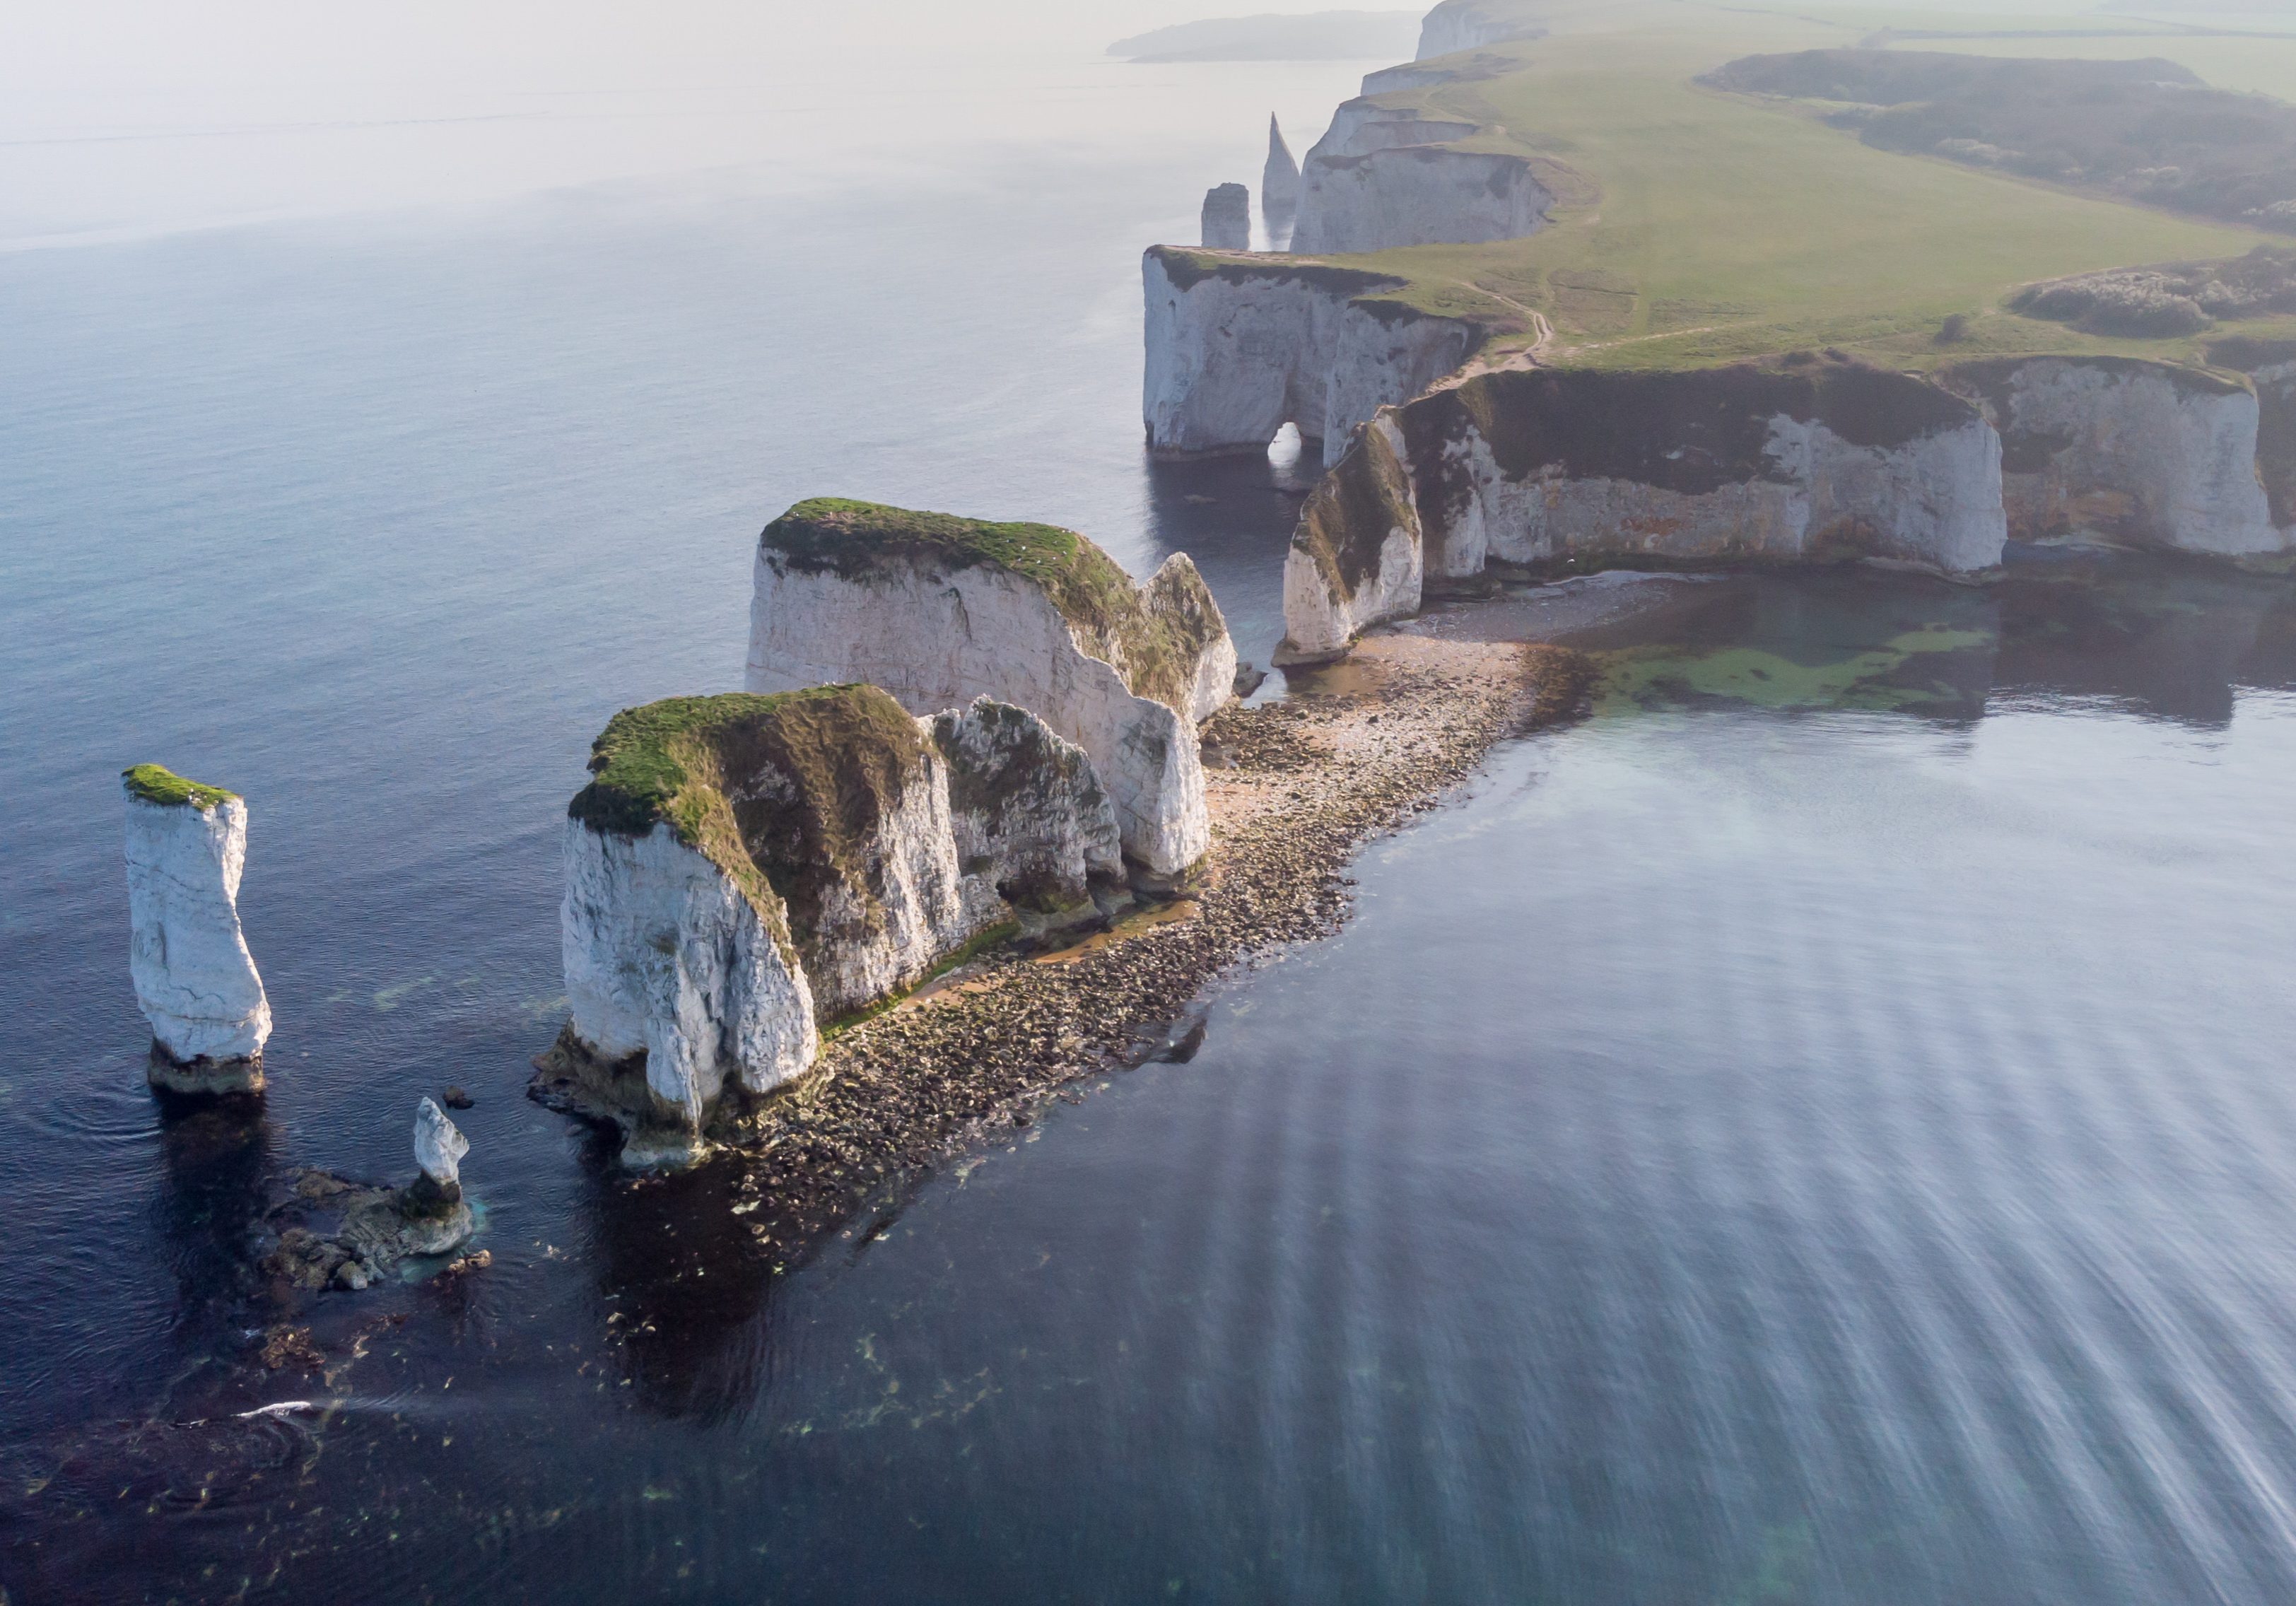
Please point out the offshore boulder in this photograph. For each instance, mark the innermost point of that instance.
(745, 869)
(940, 611)
(1227, 218)
(194, 978)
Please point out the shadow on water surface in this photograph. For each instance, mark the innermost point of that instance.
(2162, 637)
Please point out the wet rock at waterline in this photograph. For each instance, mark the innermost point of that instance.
(1227, 218)
(940, 610)
(194, 978)
(747, 868)
(348, 1235)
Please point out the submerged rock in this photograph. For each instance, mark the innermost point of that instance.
(746, 868)
(940, 610)
(194, 978)
(1227, 218)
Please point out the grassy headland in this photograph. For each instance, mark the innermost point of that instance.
(1718, 226)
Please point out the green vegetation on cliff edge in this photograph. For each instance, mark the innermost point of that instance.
(1153, 639)
(156, 783)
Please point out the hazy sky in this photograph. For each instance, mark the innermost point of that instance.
(59, 47)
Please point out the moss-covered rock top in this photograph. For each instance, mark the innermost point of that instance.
(156, 783)
(1152, 635)
(785, 793)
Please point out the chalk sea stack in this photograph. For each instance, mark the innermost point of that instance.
(940, 610)
(747, 868)
(1227, 218)
(194, 978)
(1279, 186)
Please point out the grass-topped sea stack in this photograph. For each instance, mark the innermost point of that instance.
(745, 870)
(939, 611)
(194, 977)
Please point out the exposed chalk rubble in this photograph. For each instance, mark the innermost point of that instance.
(1227, 218)
(747, 868)
(1800, 460)
(1236, 350)
(2146, 452)
(940, 610)
(194, 978)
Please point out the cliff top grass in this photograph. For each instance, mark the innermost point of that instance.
(781, 791)
(1152, 634)
(156, 783)
(1730, 225)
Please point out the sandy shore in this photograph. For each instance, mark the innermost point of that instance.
(1296, 788)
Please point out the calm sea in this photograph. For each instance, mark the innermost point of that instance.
(1821, 1131)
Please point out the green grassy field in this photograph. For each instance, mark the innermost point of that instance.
(1725, 227)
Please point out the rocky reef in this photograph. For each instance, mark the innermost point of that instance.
(344, 1235)
(1227, 218)
(194, 978)
(1803, 459)
(940, 610)
(1237, 350)
(1458, 25)
(746, 868)
(1387, 175)
(2146, 454)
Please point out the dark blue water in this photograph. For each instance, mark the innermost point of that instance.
(1820, 1131)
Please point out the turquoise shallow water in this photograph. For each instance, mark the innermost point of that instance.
(1819, 1131)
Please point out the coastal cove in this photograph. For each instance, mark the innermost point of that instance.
(1703, 1083)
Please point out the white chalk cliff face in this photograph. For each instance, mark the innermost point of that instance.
(194, 978)
(1525, 469)
(1034, 832)
(666, 956)
(1458, 25)
(833, 851)
(1356, 558)
(2142, 452)
(938, 626)
(1237, 350)
(439, 1147)
(1383, 177)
